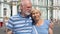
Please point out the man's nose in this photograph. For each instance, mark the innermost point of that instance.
(29, 8)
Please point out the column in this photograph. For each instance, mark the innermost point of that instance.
(14, 8)
(2, 8)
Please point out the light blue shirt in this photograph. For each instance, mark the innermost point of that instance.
(43, 29)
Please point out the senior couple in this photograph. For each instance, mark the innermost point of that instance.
(28, 21)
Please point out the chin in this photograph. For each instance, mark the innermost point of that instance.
(36, 19)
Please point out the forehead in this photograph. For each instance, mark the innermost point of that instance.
(26, 3)
(35, 11)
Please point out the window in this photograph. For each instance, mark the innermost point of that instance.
(47, 7)
(41, 4)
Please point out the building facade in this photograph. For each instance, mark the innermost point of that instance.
(49, 8)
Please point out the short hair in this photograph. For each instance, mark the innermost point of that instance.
(23, 2)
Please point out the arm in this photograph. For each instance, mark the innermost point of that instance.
(9, 26)
(51, 25)
(51, 28)
(50, 31)
(8, 31)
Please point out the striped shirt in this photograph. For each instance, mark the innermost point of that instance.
(20, 25)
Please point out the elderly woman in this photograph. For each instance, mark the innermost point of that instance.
(40, 26)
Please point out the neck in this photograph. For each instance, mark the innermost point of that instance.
(39, 22)
(23, 15)
(36, 21)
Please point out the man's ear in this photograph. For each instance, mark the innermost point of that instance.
(21, 7)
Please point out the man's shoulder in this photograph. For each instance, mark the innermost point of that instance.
(14, 17)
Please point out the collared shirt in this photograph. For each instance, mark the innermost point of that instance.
(20, 25)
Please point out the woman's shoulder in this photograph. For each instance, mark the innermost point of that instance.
(47, 21)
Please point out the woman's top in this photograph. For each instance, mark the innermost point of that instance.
(42, 29)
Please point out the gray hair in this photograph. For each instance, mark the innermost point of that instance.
(23, 2)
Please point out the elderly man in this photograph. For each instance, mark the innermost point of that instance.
(21, 23)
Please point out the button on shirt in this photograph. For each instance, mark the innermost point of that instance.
(20, 25)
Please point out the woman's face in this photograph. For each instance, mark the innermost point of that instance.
(36, 15)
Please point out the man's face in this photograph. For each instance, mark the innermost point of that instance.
(26, 9)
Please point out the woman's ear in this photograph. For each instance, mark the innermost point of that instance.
(40, 13)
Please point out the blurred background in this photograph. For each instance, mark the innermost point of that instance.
(50, 9)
